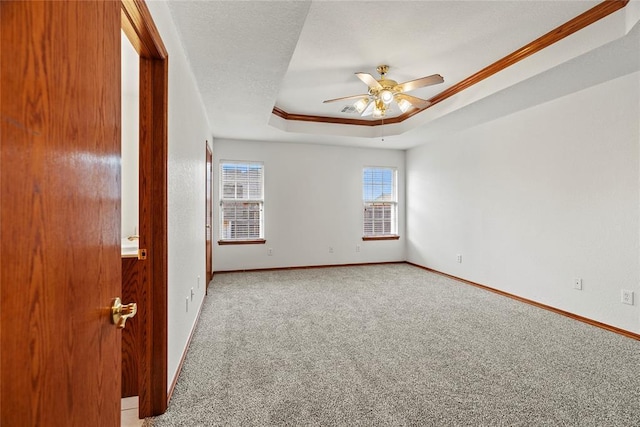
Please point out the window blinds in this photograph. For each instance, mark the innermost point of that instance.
(380, 201)
(241, 201)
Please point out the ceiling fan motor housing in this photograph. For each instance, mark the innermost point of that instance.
(386, 85)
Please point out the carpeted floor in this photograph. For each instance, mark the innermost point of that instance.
(394, 345)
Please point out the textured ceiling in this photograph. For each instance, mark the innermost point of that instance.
(249, 56)
(454, 39)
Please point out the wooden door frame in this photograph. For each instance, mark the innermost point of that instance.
(209, 214)
(141, 31)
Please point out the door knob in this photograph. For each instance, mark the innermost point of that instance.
(121, 312)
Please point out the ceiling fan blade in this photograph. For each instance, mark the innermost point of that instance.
(418, 83)
(345, 98)
(415, 101)
(369, 110)
(369, 80)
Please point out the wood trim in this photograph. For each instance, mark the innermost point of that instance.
(159, 192)
(579, 318)
(335, 120)
(141, 31)
(152, 309)
(308, 267)
(367, 238)
(242, 242)
(581, 21)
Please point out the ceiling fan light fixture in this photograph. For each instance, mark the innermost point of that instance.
(386, 96)
(404, 105)
(380, 109)
(361, 104)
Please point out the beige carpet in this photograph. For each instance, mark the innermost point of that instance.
(394, 345)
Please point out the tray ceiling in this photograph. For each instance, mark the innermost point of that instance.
(251, 56)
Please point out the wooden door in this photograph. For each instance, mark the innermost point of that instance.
(59, 213)
(209, 220)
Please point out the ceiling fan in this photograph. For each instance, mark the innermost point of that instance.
(383, 92)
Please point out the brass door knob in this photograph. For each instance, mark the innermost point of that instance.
(121, 312)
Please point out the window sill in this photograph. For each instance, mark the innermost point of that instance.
(389, 237)
(242, 242)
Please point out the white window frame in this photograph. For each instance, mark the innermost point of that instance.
(242, 200)
(379, 203)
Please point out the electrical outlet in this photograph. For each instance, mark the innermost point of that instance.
(270, 252)
(459, 258)
(577, 284)
(357, 248)
(330, 249)
(627, 297)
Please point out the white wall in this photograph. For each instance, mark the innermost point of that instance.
(130, 143)
(536, 199)
(188, 130)
(313, 200)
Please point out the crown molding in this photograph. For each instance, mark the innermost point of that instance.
(336, 120)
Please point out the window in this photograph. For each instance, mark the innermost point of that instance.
(380, 200)
(241, 202)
